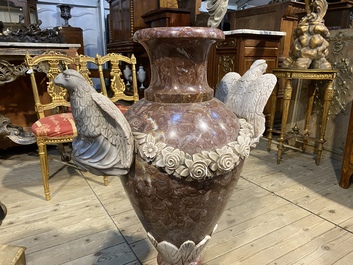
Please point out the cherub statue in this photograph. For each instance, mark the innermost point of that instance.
(310, 47)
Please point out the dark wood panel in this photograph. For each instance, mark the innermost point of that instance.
(238, 51)
(279, 17)
(167, 17)
(73, 35)
(347, 164)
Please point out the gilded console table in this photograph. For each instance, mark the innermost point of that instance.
(304, 74)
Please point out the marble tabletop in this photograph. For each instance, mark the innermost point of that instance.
(39, 45)
(255, 32)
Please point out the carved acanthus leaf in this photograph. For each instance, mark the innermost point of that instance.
(187, 253)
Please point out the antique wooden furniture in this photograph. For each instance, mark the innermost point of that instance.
(109, 68)
(11, 10)
(16, 101)
(124, 19)
(55, 124)
(240, 49)
(117, 88)
(278, 17)
(167, 17)
(73, 35)
(347, 163)
(303, 74)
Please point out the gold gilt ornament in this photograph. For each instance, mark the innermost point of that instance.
(310, 47)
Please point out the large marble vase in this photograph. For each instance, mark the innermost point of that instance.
(190, 148)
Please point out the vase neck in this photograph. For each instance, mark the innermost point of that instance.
(178, 68)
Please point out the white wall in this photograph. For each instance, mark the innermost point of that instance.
(90, 15)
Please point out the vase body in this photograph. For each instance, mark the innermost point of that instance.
(179, 128)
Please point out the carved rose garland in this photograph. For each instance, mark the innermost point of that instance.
(198, 166)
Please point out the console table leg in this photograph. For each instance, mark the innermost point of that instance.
(327, 102)
(273, 99)
(311, 96)
(286, 102)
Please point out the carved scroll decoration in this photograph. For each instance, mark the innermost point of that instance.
(342, 84)
(15, 133)
(10, 72)
(225, 65)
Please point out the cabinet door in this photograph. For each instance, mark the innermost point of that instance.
(120, 20)
(222, 59)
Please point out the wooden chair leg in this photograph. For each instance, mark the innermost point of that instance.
(65, 156)
(106, 180)
(43, 157)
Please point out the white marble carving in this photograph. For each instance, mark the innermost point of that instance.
(187, 253)
(198, 166)
(255, 32)
(216, 9)
(247, 96)
(104, 144)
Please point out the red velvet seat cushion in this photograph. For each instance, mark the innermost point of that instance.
(60, 124)
(122, 108)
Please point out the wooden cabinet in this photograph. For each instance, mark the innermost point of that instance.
(11, 10)
(128, 16)
(124, 20)
(73, 35)
(239, 50)
(278, 17)
(338, 15)
(167, 17)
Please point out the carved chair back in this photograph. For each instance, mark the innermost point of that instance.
(51, 64)
(112, 64)
(83, 62)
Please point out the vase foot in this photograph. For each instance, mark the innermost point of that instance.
(160, 261)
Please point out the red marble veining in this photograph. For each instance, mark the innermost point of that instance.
(190, 127)
(180, 111)
(178, 58)
(176, 210)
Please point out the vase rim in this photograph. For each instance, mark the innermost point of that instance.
(178, 32)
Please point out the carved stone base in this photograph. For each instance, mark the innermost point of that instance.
(187, 254)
